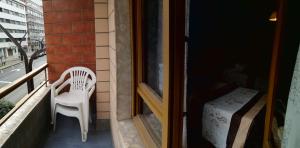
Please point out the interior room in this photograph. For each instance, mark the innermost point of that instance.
(229, 54)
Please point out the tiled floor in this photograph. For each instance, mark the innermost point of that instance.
(67, 135)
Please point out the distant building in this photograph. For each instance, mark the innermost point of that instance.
(35, 23)
(13, 18)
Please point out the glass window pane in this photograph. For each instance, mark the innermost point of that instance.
(152, 124)
(152, 44)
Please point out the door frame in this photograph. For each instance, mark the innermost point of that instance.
(273, 75)
(170, 109)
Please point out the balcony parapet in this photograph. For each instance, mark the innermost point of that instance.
(26, 127)
(29, 119)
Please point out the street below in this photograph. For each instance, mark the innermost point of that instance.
(17, 71)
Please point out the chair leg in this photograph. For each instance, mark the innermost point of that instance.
(82, 125)
(83, 136)
(54, 118)
(52, 114)
(86, 121)
(85, 117)
(90, 116)
(54, 122)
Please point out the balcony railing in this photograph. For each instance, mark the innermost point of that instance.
(17, 83)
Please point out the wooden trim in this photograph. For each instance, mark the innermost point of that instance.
(137, 38)
(132, 15)
(152, 99)
(142, 130)
(168, 107)
(139, 44)
(273, 76)
(139, 53)
(166, 76)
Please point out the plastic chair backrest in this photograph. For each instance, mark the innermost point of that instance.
(80, 78)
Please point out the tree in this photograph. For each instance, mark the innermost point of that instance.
(28, 63)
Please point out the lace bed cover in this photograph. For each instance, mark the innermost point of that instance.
(217, 115)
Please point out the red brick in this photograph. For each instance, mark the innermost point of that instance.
(83, 49)
(47, 6)
(93, 26)
(89, 59)
(69, 28)
(53, 73)
(60, 68)
(61, 28)
(88, 38)
(48, 17)
(77, 49)
(51, 49)
(63, 49)
(51, 68)
(87, 4)
(71, 58)
(82, 26)
(72, 39)
(52, 78)
(48, 28)
(61, 5)
(63, 16)
(90, 66)
(73, 64)
(53, 39)
(70, 16)
(88, 14)
(53, 58)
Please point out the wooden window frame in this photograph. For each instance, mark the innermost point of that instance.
(273, 76)
(168, 108)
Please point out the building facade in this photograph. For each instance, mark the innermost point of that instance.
(13, 18)
(35, 24)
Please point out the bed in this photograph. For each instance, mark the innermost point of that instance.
(235, 119)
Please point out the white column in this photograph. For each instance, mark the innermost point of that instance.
(291, 136)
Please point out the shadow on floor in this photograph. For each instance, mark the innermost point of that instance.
(67, 135)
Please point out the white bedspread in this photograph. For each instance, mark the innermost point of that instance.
(217, 115)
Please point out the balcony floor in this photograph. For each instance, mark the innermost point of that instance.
(67, 135)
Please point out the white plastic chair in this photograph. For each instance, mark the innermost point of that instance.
(74, 103)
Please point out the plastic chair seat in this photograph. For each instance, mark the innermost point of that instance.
(69, 98)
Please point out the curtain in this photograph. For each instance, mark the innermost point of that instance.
(291, 136)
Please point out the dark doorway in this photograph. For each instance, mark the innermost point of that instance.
(10, 51)
(229, 45)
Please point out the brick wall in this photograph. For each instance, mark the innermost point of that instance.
(102, 59)
(70, 37)
(77, 35)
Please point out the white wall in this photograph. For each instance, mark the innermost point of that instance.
(291, 137)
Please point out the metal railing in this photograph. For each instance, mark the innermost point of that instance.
(17, 83)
